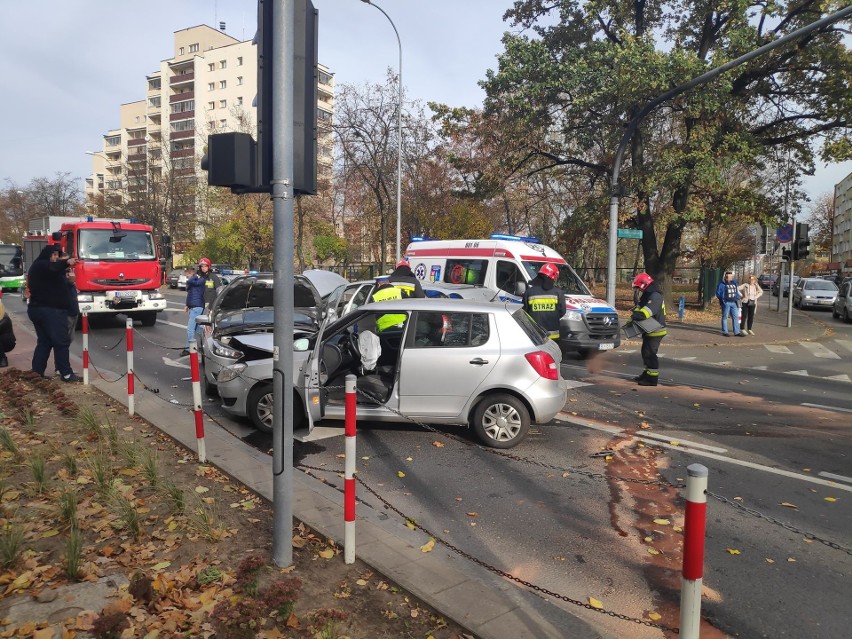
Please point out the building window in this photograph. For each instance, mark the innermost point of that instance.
(154, 102)
(212, 124)
(223, 104)
(211, 66)
(113, 140)
(223, 124)
(239, 81)
(240, 61)
(240, 100)
(324, 78)
(182, 107)
(154, 85)
(193, 48)
(223, 84)
(183, 125)
(180, 51)
(211, 106)
(211, 86)
(223, 64)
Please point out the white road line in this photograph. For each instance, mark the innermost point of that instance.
(575, 384)
(818, 350)
(701, 453)
(168, 323)
(842, 410)
(845, 343)
(759, 368)
(777, 348)
(685, 359)
(671, 438)
(839, 378)
(803, 373)
(833, 476)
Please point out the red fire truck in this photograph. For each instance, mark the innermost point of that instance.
(117, 268)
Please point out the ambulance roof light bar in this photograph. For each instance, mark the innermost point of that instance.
(515, 238)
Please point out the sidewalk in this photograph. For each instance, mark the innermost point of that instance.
(487, 605)
(770, 327)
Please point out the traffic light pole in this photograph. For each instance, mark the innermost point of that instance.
(790, 279)
(282, 31)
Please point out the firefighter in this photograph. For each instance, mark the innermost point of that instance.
(403, 278)
(649, 305)
(544, 301)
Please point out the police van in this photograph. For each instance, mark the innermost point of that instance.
(505, 264)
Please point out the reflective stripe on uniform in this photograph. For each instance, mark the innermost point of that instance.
(389, 320)
(387, 293)
(542, 303)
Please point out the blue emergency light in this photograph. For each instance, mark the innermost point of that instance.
(422, 238)
(514, 238)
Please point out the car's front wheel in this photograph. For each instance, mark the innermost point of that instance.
(259, 406)
(501, 421)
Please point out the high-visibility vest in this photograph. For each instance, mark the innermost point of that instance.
(391, 319)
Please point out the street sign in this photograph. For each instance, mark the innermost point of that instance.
(633, 234)
(784, 233)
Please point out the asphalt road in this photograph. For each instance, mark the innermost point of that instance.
(554, 515)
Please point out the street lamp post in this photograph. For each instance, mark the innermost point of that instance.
(399, 133)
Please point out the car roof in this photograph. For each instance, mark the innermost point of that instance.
(440, 304)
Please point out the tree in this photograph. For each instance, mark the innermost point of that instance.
(590, 67)
(821, 222)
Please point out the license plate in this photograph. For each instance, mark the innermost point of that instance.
(606, 347)
(125, 294)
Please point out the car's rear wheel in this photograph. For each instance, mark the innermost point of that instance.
(259, 406)
(501, 421)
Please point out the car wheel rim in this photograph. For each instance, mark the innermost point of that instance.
(264, 410)
(501, 422)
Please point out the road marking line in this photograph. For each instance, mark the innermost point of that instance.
(777, 348)
(171, 362)
(833, 476)
(575, 384)
(818, 350)
(839, 378)
(168, 323)
(845, 343)
(759, 368)
(702, 453)
(685, 359)
(844, 410)
(670, 438)
(802, 372)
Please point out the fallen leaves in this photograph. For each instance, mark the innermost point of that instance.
(732, 551)
(788, 505)
(428, 546)
(596, 603)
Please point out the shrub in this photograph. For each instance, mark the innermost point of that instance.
(236, 619)
(110, 625)
(281, 595)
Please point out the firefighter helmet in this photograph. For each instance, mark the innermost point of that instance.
(642, 281)
(549, 270)
(204, 262)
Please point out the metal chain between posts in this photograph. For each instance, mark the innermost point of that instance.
(99, 374)
(497, 571)
(778, 522)
(168, 348)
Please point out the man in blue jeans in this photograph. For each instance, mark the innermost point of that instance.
(194, 304)
(729, 297)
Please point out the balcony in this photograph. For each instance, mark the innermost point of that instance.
(136, 142)
(183, 115)
(137, 157)
(183, 78)
(180, 97)
(181, 135)
(182, 153)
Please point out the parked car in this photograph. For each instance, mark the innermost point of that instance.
(181, 283)
(766, 281)
(220, 269)
(814, 291)
(842, 306)
(174, 276)
(242, 310)
(777, 285)
(442, 361)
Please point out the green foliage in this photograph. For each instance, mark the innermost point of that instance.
(328, 246)
(11, 544)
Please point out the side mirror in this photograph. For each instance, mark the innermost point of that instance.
(300, 345)
(520, 288)
(203, 320)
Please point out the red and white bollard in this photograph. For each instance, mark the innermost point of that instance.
(85, 348)
(196, 401)
(130, 374)
(693, 551)
(349, 473)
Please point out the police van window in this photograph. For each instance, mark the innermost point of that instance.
(466, 271)
(507, 275)
(568, 281)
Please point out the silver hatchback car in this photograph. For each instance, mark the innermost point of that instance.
(435, 361)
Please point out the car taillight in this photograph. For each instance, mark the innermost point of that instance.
(544, 364)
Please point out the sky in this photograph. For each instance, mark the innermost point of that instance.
(68, 65)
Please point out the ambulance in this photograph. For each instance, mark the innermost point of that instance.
(505, 264)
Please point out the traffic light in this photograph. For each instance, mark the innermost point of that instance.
(801, 245)
(305, 78)
(767, 239)
(230, 161)
(785, 255)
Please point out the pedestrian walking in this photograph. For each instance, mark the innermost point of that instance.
(749, 292)
(728, 295)
(403, 278)
(650, 315)
(48, 311)
(544, 301)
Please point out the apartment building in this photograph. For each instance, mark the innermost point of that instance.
(207, 86)
(841, 234)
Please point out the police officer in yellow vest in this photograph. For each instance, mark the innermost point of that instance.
(386, 291)
(544, 301)
(650, 305)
